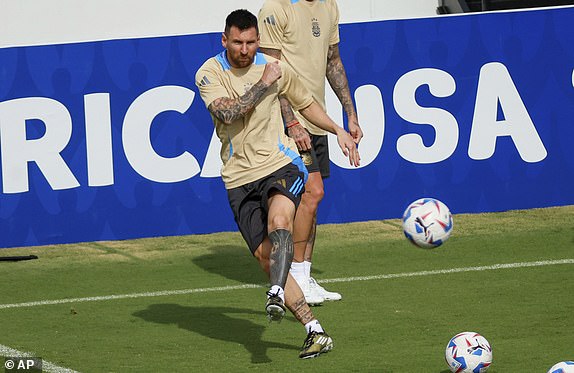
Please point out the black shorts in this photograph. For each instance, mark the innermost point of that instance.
(249, 202)
(317, 159)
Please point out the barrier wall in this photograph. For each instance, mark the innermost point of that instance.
(32, 22)
(110, 140)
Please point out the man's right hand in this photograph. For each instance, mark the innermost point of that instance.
(272, 73)
(301, 137)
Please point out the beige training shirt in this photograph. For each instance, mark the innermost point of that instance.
(303, 32)
(255, 145)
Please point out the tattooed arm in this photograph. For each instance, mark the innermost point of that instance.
(294, 129)
(338, 80)
(315, 114)
(228, 109)
(296, 132)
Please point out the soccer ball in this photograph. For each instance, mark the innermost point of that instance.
(427, 223)
(468, 352)
(563, 367)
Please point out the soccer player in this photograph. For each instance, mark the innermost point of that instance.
(262, 170)
(305, 34)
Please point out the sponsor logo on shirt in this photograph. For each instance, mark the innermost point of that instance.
(270, 20)
(204, 81)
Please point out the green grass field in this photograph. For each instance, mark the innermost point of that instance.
(185, 304)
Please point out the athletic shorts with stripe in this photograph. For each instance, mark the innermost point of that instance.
(249, 202)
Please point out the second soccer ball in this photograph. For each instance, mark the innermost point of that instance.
(468, 352)
(563, 367)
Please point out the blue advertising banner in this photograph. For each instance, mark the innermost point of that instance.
(110, 140)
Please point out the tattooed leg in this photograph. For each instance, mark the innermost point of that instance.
(310, 244)
(280, 257)
(295, 301)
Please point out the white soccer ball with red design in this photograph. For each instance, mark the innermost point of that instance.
(468, 352)
(427, 223)
(562, 367)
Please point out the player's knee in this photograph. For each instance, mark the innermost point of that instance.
(313, 195)
(280, 222)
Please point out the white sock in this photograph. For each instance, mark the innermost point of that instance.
(314, 326)
(307, 269)
(276, 289)
(297, 270)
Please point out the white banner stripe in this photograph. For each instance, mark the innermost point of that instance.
(254, 286)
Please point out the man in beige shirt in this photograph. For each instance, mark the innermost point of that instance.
(262, 170)
(305, 34)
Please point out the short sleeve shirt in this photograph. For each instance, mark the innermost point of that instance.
(254, 145)
(303, 31)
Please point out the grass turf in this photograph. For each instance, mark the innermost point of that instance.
(382, 325)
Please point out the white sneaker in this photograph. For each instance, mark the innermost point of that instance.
(317, 289)
(313, 298)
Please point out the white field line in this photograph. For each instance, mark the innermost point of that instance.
(253, 286)
(46, 365)
(541, 263)
(127, 296)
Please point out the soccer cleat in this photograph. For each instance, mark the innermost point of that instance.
(316, 344)
(274, 307)
(318, 290)
(313, 298)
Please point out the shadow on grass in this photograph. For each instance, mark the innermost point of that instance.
(232, 262)
(216, 323)
(235, 262)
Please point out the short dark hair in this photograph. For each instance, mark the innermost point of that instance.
(242, 19)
